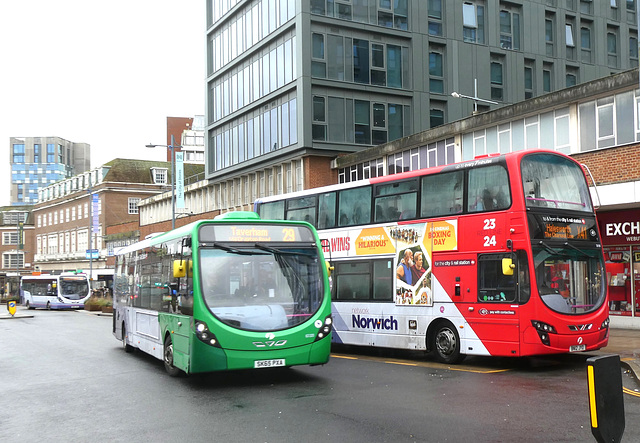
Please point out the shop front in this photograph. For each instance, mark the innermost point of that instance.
(620, 231)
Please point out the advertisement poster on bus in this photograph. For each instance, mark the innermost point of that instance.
(412, 246)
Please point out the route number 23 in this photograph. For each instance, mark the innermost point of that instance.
(489, 224)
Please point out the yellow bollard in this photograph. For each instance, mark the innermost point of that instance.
(11, 306)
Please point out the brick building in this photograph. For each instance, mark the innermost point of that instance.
(16, 246)
(79, 221)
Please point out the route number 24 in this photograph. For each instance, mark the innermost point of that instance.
(489, 224)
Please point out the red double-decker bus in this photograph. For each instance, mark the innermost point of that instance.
(496, 256)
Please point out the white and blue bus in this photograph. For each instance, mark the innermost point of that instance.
(64, 291)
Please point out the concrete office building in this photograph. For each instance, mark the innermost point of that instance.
(37, 162)
(291, 84)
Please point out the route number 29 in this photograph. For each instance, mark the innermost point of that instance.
(288, 234)
(489, 224)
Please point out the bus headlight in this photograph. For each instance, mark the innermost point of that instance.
(325, 328)
(205, 335)
(605, 324)
(544, 329)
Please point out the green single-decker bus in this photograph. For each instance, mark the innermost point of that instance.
(235, 292)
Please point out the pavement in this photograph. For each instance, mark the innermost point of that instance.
(623, 342)
(626, 344)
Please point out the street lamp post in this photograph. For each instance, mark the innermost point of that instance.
(475, 97)
(19, 246)
(173, 177)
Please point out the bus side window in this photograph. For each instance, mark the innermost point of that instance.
(327, 210)
(354, 206)
(493, 285)
(488, 189)
(442, 194)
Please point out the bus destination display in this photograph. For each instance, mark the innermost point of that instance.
(255, 233)
(551, 227)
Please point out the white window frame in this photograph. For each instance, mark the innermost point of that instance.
(132, 205)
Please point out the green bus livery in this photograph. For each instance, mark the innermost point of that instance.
(236, 292)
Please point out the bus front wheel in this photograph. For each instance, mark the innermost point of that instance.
(126, 346)
(168, 358)
(446, 344)
(28, 305)
(48, 305)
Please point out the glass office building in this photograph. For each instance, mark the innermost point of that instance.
(36, 162)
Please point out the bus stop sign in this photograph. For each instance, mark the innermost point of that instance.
(606, 403)
(11, 306)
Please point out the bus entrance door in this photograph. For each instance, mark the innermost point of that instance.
(490, 306)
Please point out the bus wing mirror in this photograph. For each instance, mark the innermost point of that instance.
(329, 268)
(182, 268)
(507, 266)
(179, 268)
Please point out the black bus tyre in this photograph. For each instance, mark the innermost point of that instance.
(28, 305)
(48, 305)
(446, 344)
(126, 346)
(168, 358)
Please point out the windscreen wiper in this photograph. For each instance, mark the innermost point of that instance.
(234, 250)
(569, 245)
(280, 251)
(548, 248)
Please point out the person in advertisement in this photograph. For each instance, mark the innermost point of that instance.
(417, 270)
(403, 271)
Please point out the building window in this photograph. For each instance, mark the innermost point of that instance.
(159, 175)
(631, 6)
(9, 238)
(549, 34)
(319, 128)
(547, 78)
(473, 22)
(133, 205)
(360, 61)
(509, 29)
(436, 72)
(18, 153)
(569, 40)
(12, 260)
(585, 44)
(343, 9)
(496, 81)
(318, 64)
(605, 127)
(436, 117)
(36, 153)
(362, 119)
(51, 153)
(571, 77)
(434, 8)
(612, 47)
(378, 73)
(379, 132)
(586, 7)
(528, 82)
(633, 50)
(335, 57)
(13, 218)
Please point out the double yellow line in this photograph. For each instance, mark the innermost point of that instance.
(423, 364)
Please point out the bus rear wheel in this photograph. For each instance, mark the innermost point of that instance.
(446, 344)
(168, 358)
(48, 305)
